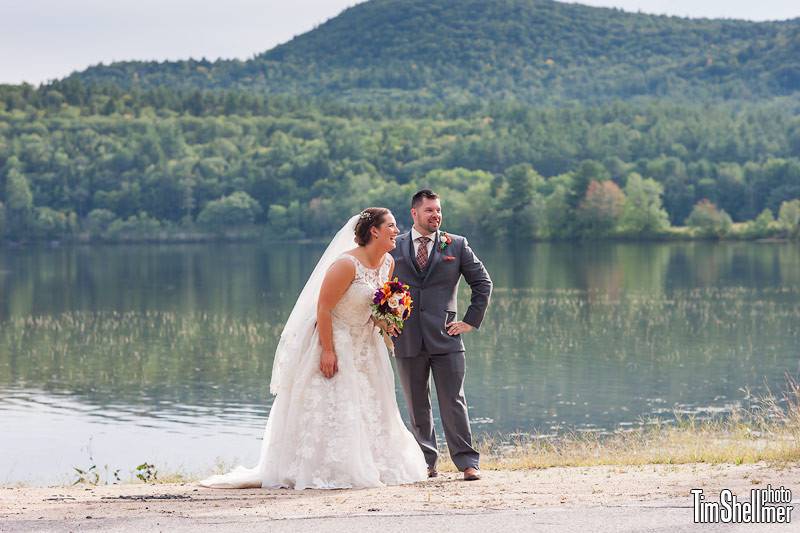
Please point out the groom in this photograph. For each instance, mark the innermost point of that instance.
(432, 262)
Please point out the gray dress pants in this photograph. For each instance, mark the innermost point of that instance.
(448, 375)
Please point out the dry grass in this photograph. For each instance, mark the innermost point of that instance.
(767, 430)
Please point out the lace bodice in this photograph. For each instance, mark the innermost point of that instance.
(353, 308)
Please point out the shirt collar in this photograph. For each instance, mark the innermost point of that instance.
(415, 235)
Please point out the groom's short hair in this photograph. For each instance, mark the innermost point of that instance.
(416, 200)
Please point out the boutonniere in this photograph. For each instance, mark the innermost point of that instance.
(444, 241)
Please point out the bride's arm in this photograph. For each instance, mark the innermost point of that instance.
(334, 285)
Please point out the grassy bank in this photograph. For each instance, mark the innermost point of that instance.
(767, 429)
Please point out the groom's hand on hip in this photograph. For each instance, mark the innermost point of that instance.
(459, 327)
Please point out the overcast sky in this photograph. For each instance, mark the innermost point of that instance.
(47, 39)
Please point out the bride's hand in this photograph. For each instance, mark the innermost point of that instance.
(328, 363)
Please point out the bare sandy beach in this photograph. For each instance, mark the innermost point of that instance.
(647, 497)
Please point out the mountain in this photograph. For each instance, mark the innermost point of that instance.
(530, 50)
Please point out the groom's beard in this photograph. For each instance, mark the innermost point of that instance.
(432, 227)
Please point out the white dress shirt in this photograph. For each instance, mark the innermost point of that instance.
(416, 235)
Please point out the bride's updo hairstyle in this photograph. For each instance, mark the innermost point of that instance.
(369, 217)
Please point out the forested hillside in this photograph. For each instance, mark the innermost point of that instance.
(222, 160)
(530, 50)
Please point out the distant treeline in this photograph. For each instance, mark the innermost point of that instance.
(99, 162)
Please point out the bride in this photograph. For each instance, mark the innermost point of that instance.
(335, 422)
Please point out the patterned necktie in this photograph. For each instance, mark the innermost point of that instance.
(422, 252)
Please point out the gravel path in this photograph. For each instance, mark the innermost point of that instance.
(640, 498)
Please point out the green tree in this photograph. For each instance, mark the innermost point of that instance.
(587, 172)
(229, 212)
(789, 218)
(643, 213)
(458, 179)
(709, 221)
(285, 221)
(98, 221)
(140, 227)
(467, 212)
(19, 204)
(187, 200)
(762, 226)
(520, 207)
(558, 214)
(679, 191)
(50, 224)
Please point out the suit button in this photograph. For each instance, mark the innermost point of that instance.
(421, 308)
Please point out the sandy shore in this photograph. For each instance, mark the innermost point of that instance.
(187, 506)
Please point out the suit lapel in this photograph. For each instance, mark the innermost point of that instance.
(434, 259)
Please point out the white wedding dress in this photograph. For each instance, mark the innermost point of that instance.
(342, 432)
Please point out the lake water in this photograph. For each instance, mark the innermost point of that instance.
(119, 355)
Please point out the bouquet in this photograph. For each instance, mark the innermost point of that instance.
(392, 304)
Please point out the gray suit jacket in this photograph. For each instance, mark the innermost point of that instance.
(435, 291)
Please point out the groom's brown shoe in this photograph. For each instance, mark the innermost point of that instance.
(472, 474)
(432, 472)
